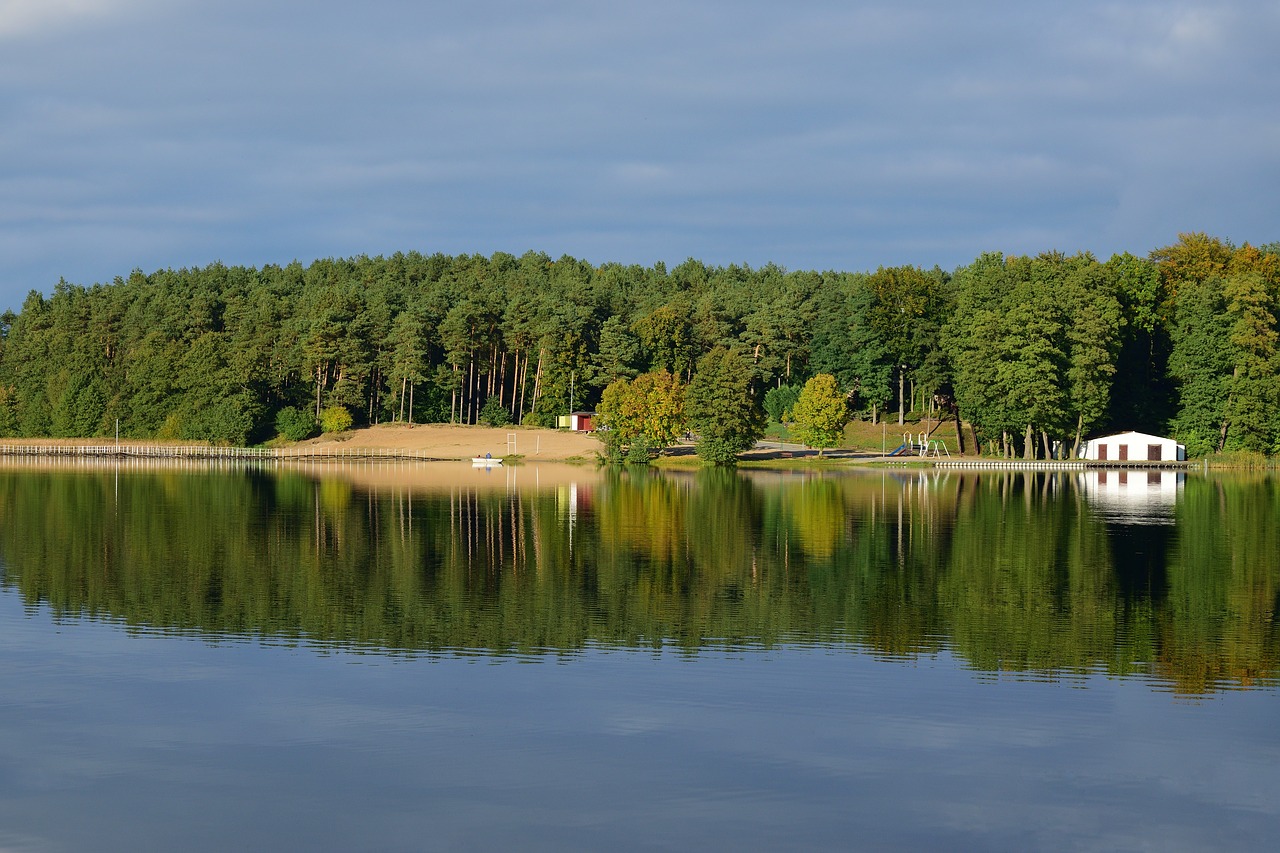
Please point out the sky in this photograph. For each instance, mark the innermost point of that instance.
(149, 134)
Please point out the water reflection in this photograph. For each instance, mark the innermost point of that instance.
(1134, 496)
(1031, 574)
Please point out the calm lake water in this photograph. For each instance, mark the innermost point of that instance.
(539, 658)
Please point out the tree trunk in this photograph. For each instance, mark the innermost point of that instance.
(411, 403)
(502, 381)
(1226, 423)
(1029, 444)
(537, 380)
(404, 381)
(319, 385)
(522, 378)
(902, 414)
(1044, 439)
(471, 381)
(493, 370)
(1075, 447)
(959, 432)
(453, 395)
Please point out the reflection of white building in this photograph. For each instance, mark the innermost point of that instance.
(1134, 496)
(1134, 447)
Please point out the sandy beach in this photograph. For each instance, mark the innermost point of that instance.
(437, 441)
(449, 441)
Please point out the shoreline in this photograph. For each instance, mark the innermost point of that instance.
(457, 442)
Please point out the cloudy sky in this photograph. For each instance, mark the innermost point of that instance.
(169, 133)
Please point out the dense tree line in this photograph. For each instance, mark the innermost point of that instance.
(1033, 353)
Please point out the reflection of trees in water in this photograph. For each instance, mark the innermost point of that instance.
(1219, 625)
(1012, 572)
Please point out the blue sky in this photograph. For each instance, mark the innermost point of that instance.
(828, 135)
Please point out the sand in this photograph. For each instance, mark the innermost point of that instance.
(437, 441)
(446, 441)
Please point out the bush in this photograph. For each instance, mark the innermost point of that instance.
(640, 451)
(494, 414)
(718, 451)
(335, 419)
(538, 419)
(171, 429)
(294, 424)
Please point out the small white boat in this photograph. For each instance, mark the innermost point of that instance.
(485, 461)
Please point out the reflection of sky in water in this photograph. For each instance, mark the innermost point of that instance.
(1133, 496)
(112, 741)
(115, 738)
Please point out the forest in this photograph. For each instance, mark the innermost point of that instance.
(1033, 354)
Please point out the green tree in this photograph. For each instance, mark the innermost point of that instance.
(1201, 364)
(494, 414)
(724, 407)
(408, 359)
(820, 413)
(1254, 387)
(779, 401)
(294, 424)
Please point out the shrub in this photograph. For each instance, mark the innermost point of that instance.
(640, 451)
(294, 424)
(494, 413)
(335, 419)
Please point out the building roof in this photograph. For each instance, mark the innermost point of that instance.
(1133, 434)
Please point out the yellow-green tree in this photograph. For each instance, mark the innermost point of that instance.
(820, 413)
(647, 410)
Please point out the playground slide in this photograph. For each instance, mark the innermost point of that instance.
(901, 448)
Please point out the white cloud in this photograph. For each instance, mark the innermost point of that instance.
(816, 136)
(31, 17)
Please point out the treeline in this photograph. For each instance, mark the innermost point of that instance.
(1012, 573)
(1033, 353)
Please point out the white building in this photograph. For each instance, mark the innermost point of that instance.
(1134, 447)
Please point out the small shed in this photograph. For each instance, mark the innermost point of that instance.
(1134, 447)
(577, 421)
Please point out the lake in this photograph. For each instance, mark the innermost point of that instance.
(432, 656)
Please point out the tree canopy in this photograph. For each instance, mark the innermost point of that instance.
(1036, 352)
(820, 413)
